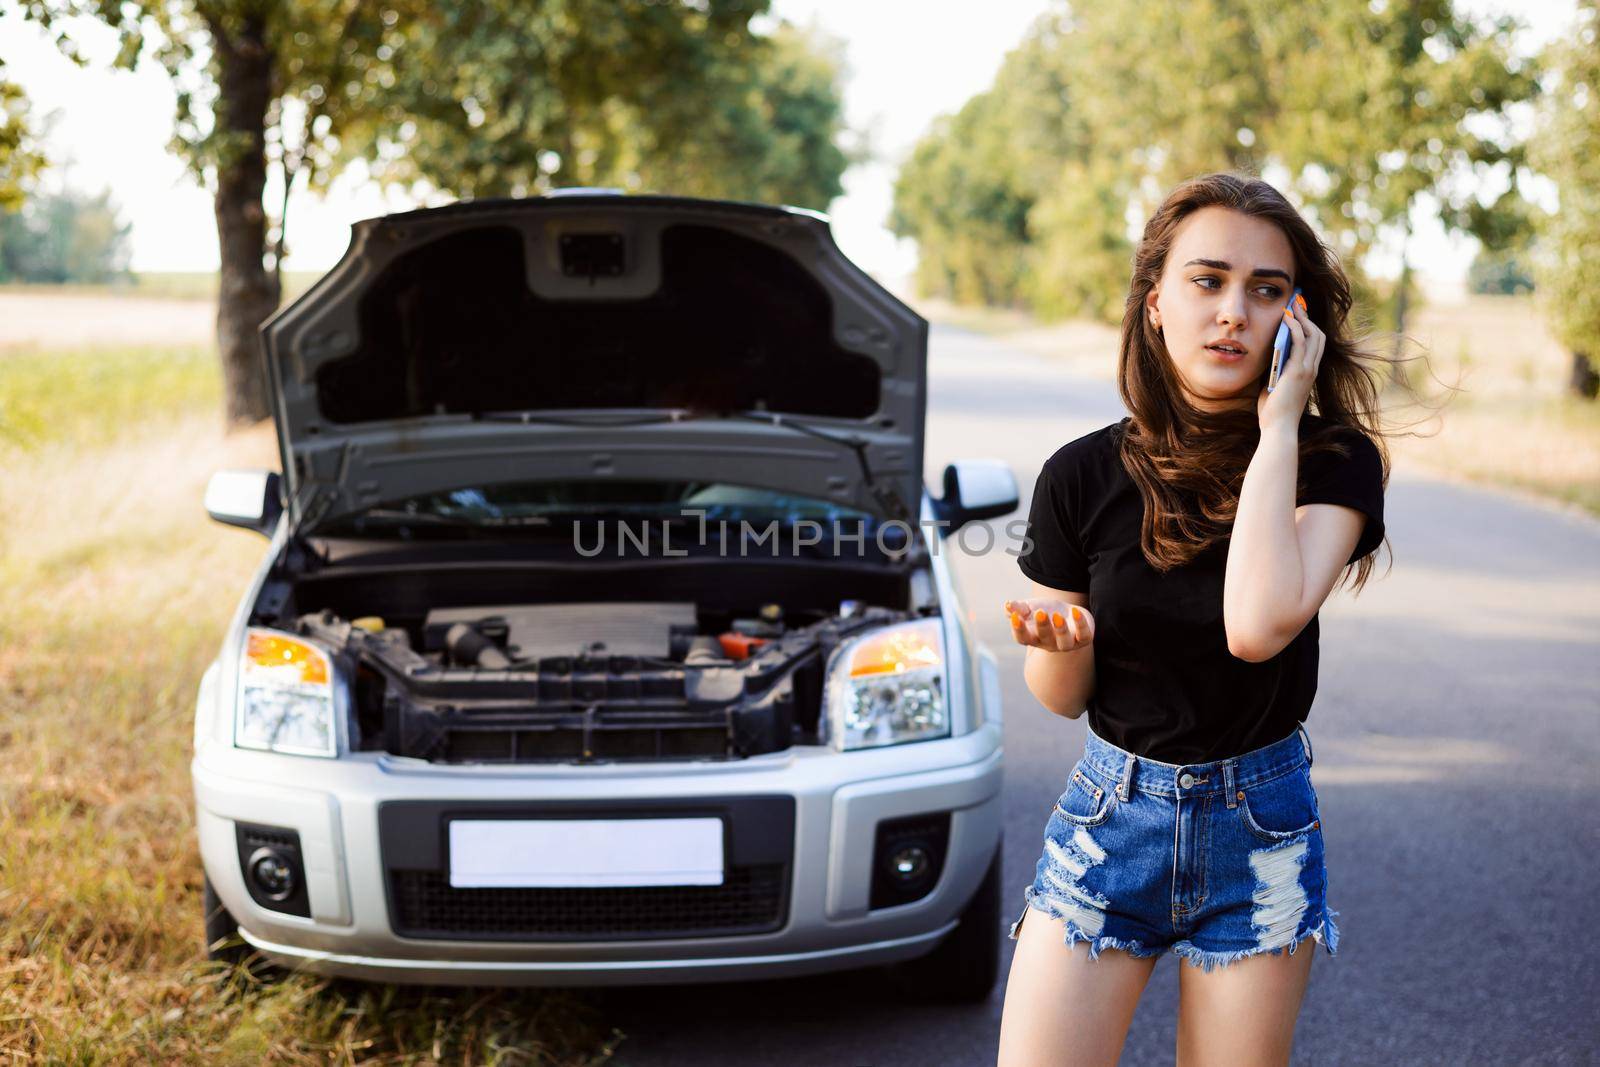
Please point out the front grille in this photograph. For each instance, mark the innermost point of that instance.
(750, 901)
(587, 738)
(561, 714)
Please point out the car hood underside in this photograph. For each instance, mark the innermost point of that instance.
(593, 337)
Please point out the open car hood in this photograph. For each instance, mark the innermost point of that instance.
(596, 336)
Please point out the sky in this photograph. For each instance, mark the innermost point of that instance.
(109, 129)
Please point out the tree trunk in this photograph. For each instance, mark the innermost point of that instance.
(247, 291)
(1398, 369)
(1585, 381)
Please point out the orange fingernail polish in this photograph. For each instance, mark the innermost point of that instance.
(1301, 301)
(1057, 619)
(1038, 616)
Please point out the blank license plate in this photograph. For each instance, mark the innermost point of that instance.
(585, 852)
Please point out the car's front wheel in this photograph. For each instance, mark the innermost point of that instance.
(223, 942)
(964, 967)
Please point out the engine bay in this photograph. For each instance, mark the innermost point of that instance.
(588, 681)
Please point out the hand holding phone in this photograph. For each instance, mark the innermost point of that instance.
(1281, 344)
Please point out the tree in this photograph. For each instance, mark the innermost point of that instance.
(966, 191)
(1367, 106)
(1566, 148)
(240, 68)
(645, 107)
(1503, 273)
(960, 196)
(772, 133)
(64, 237)
(1063, 143)
(20, 157)
(493, 98)
(1408, 85)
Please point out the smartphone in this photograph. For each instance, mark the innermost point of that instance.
(1280, 346)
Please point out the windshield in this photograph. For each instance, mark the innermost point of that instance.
(553, 505)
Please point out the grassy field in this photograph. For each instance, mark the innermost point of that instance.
(117, 590)
(1495, 411)
(87, 398)
(1512, 424)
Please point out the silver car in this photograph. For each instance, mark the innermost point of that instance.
(605, 634)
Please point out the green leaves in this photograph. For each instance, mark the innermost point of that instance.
(64, 237)
(1566, 148)
(20, 157)
(1364, 107)
(516, 99)
(500, 97)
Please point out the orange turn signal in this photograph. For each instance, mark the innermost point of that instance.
(288, 659)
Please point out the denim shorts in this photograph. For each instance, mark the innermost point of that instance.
(1215, 861)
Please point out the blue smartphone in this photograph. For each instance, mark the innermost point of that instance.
(1280, 346)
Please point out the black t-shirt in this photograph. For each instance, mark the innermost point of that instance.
(1166, 686)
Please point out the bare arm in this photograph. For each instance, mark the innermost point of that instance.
(1059, 664)
(1283, 560)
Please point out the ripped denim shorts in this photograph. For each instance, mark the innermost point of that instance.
(1215, 861)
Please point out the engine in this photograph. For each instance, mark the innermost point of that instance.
(587, 682)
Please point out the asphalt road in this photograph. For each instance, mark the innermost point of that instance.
(1456, 734)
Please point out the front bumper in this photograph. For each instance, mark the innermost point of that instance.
(838, 800)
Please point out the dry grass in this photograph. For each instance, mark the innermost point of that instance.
(1498, 344)
(117, 589)
(163, 285)
(1494, 384)
(154, 309)
(1507, 418)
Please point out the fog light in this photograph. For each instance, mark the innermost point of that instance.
(909, 863)
(272, 874)
(907, 858)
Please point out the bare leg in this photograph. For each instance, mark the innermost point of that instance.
(1242, 1014)
(1063, 1009)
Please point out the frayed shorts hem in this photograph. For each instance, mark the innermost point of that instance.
(1074, 933)
(1325, 933)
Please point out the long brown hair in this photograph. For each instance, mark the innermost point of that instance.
(1188, 463)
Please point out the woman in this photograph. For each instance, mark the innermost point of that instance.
(1178, 559)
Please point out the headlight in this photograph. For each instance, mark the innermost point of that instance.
(887, 687)
(285, 696)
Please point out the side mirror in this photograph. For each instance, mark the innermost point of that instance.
(976, 489)
(246, 498)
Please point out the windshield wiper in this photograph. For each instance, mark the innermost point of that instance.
(886, 495)
(390, 518)
(437, 518)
